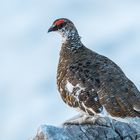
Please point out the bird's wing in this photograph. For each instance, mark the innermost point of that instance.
(80, 75)
(113, 89)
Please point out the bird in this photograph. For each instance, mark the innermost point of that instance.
(92, 83)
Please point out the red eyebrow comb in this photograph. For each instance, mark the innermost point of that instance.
(59, 22)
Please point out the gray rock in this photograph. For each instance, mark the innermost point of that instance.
(100, 130)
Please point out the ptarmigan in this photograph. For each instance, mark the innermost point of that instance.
(91, 82)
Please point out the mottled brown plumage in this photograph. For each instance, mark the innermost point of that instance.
(91, 82)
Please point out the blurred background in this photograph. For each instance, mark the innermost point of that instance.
(29, 56)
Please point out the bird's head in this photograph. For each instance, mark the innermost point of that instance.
(65, 27)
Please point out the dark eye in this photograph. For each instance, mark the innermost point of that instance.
(60, 26)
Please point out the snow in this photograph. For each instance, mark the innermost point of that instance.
(29, 55)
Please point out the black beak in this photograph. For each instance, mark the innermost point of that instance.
(52, 28)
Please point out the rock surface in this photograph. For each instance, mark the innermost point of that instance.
(102, 129)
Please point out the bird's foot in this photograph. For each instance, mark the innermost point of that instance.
(102, 120)
(80, 119)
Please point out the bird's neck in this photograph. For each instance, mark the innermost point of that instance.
(72, 38)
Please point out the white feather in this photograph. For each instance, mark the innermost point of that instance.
(69, 87)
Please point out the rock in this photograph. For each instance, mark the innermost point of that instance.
(109, 129)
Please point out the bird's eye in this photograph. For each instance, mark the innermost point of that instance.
(61, 25)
